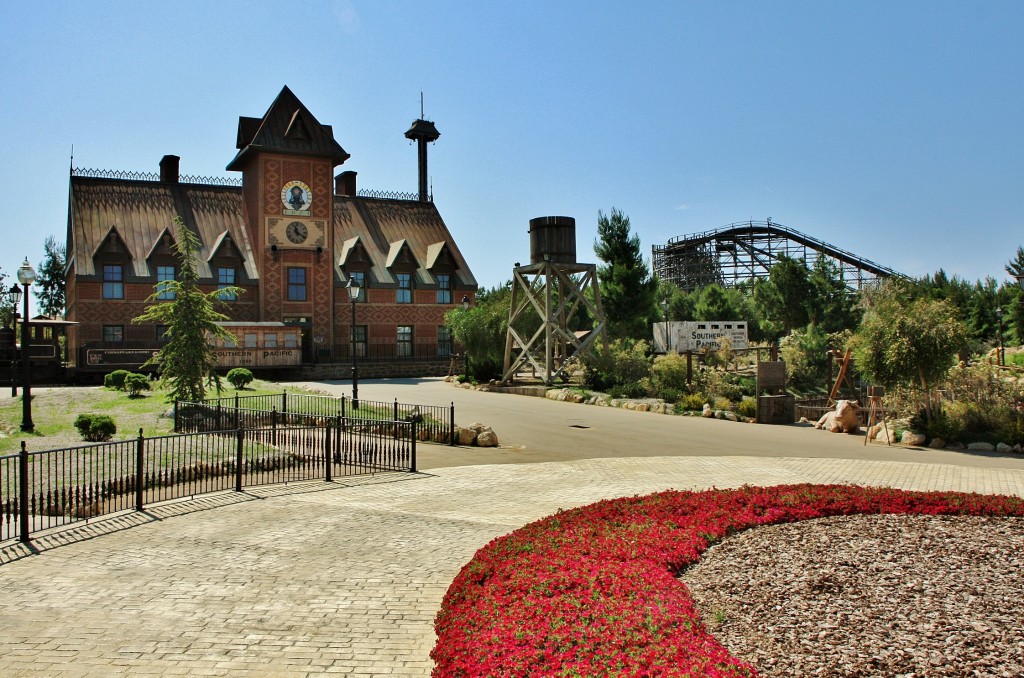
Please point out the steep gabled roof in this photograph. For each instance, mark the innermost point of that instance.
(139, 209)
(286, 127)
(380, 224)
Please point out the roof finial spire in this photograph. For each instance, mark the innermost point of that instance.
(421, 104)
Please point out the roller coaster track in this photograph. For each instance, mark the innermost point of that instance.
(745, 251)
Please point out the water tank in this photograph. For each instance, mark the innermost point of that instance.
(553, 239)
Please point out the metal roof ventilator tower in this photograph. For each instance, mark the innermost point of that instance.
(553, 286)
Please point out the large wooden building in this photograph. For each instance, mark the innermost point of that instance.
(290, 234)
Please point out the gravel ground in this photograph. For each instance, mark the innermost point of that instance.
(907, 596)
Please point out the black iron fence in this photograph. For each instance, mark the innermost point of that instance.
(47, 489)
(435, 423)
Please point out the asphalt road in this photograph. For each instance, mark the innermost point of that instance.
(532, 429)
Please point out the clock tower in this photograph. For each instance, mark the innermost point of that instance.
(287, 159)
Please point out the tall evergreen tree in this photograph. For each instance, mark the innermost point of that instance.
(187, 362)
(628, 291)
(830, 305)
(50, 281)
(783, 297)
(715, 303)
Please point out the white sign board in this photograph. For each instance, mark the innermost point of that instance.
(698, 335)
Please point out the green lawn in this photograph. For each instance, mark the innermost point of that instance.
(54, 411)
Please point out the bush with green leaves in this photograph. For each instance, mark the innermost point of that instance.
(625, 365)
(95, 427)
(668, 373)
(239, 377)
(747, 407)
(805, 353)
(135, 383)
(693, 402)
(115, 379)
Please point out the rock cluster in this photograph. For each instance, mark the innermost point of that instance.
(476, 434)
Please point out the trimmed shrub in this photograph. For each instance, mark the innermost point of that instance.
(95, 427)
(239, 377)
(135, 384)
(693, 402)
(115, 379)
(747, 408)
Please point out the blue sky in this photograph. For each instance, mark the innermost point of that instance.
(893, 130)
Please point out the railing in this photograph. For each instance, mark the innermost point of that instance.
(434, 422)
(51, 488)
(390, 195)
(153, 176)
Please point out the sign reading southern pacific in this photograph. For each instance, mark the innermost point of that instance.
(699, 335)
(257, 357)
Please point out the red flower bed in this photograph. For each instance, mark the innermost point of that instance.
(593, 591)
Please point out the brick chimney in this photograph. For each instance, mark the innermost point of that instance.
(345, 183)
(169, 169)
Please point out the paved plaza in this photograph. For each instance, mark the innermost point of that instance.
(345, 578)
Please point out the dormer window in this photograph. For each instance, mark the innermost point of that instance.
(444, 288)
(404, 291)
(113, 281)
(164, 275)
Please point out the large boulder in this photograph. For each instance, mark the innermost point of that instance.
(913, 439)
(465, 436)
(487, 438)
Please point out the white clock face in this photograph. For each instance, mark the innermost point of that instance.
(296, 232)
(296, 197)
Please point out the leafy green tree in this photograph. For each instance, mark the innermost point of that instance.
(783, 296)
(50, 281)
(903, 341)
(187, 362)
(628, 291)
(481, 330)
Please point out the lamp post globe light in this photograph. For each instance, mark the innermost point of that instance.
(353, 296)
(26, 276)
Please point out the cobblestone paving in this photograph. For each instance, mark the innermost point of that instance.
(329, 579)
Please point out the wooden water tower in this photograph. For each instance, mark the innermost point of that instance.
(552, 287)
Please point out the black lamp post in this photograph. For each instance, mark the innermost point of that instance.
(26, 276)
(664, 312)
(353, 296)
(1002, 350)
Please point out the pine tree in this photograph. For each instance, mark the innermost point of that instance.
(50, 281)
(187, 362)
(628, 291)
